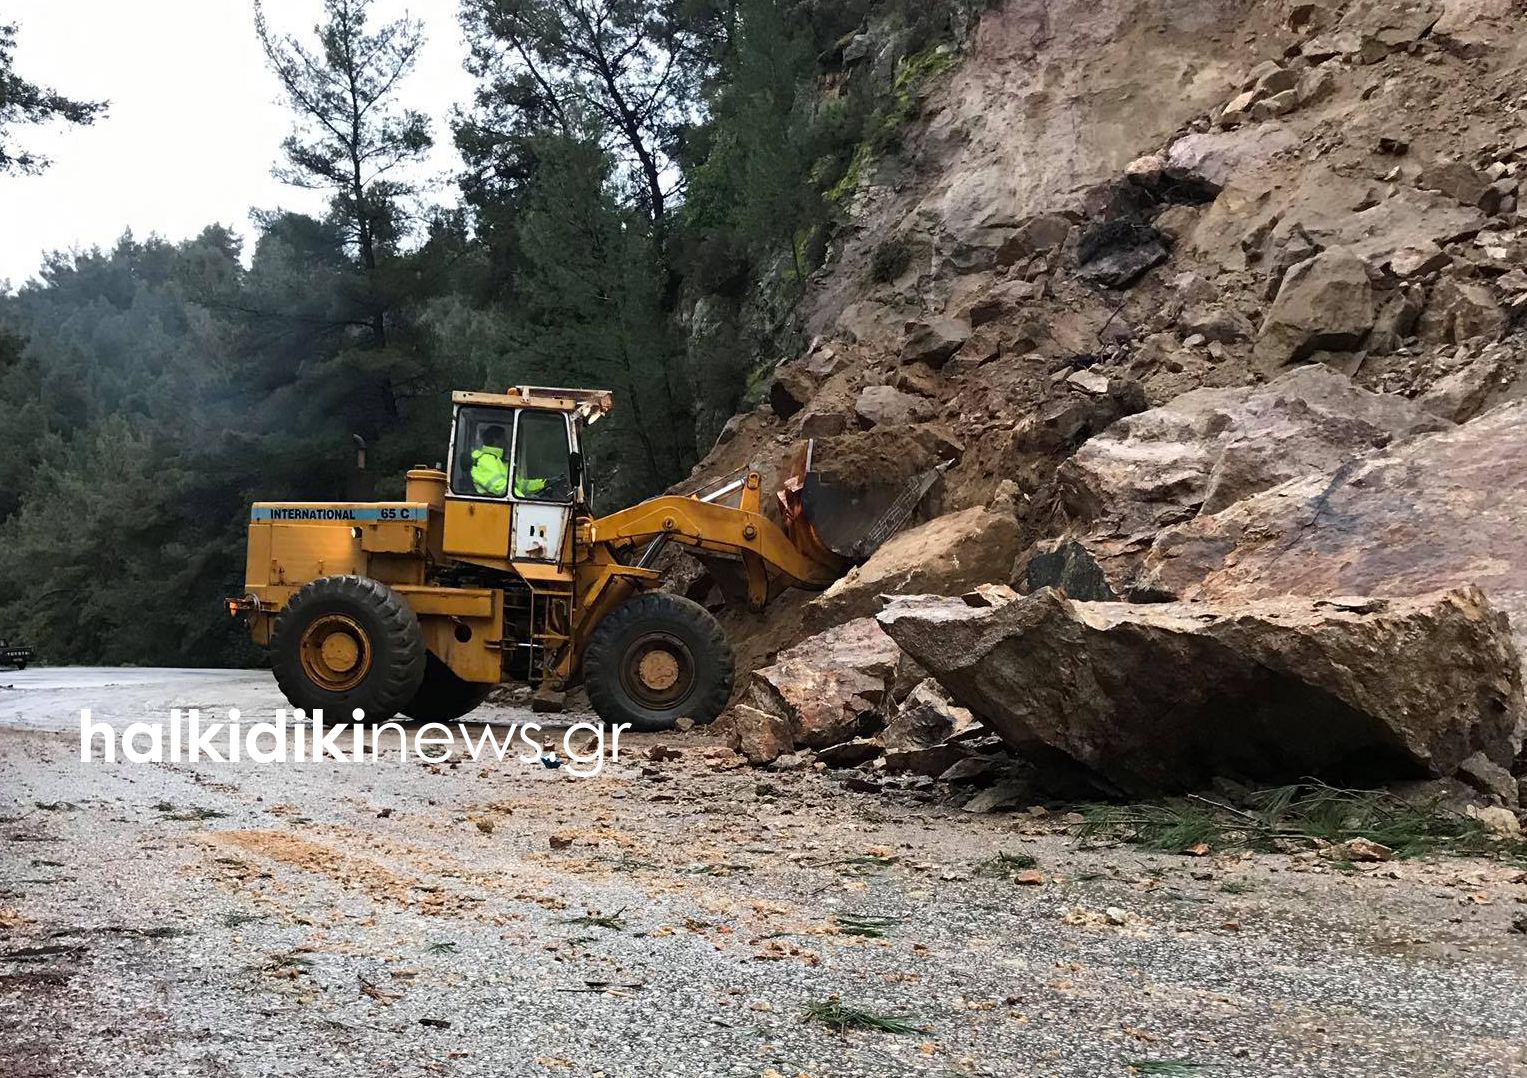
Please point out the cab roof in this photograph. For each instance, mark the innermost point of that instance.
(590, 404)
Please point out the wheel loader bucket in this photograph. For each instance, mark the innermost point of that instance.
(848, 523)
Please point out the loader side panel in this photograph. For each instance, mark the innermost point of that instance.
(477, 531)
(290, 545)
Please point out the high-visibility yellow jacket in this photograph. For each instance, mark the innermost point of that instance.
(490, 474)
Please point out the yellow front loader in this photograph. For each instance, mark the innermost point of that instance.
(495, 571)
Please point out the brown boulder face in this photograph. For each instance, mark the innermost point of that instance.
(1462, 310)
(1166, 696)
(1325, 304)
(830, 688)
(1433, 512)
(951, 553)
(1210, 448)
(1458, 180)
(790, 391)
(758, 735)
(885, 406)
(927, 717)
(934, 342)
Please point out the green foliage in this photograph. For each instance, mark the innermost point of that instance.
(1310, 814)
(839, 1017)
(644, 199)
(24, 103)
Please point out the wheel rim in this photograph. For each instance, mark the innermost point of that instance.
(659, 671)
(336, 653)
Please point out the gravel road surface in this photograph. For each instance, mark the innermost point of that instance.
(677, 915)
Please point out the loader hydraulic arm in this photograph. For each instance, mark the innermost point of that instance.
(774, 558)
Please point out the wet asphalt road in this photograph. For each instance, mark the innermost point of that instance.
(677, 917)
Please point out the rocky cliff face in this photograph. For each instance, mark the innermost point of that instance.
(1163, 276)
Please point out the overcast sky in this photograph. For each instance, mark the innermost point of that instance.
(195, 121)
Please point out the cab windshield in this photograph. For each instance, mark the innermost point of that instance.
(541, 458)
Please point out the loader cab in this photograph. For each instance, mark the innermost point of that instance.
(515, 473)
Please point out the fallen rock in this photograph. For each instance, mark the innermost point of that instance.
(1037, 235)
(1324, 304)
(758, 735)
(1357, 850)
(1458, 180)
(1461, 396)
(934, 342)
(852, 753)
(1408, 228)
(950, 553)
(1501, 823)
(886, 406)
(790, 391)
(1215, 324)
(1119, 253)
(1470, 28)
(823, 424)
(830, 688)
(1001, 301)
(1216, 157)
(1436, 511)
(1164, 697)
(1489, 778)
(1462, 310)
(927, 718)
(1199, 454)
(931, 760)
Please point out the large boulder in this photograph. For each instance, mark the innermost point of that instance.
(935, 341)
(1164, 697)
(1462, 310)
(1325, 304)
(1437, 511)
(1205, 451)
(829, 688)
(1472, 27)
(886, 406)
(951, 553)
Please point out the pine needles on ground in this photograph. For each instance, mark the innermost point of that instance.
(837, 1016)
(1305, 814)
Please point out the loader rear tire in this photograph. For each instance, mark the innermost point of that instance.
(655, 659)
(347, 642)
(443, 696)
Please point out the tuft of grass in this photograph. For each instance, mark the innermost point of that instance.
(1236, 887)
(1004, 864)
(164, 932)
(611, 921)
(235, 918)
(58, 806)
(858, 924)
(441, 947)
(864, 866)
(1308, 813)
(1164, 1066)
(839, 1017)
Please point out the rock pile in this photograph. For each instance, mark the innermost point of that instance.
(1248, 356)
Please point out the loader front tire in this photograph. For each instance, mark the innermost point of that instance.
(347, 642)
(655, 659)
(443, 696)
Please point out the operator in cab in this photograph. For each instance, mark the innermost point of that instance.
(490, 471)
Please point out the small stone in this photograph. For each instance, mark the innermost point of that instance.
(1029, 877)
(1089, 381)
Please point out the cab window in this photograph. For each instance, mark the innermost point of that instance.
(481, 465)
(540, 458)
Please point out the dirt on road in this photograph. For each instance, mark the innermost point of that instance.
(679, 915)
